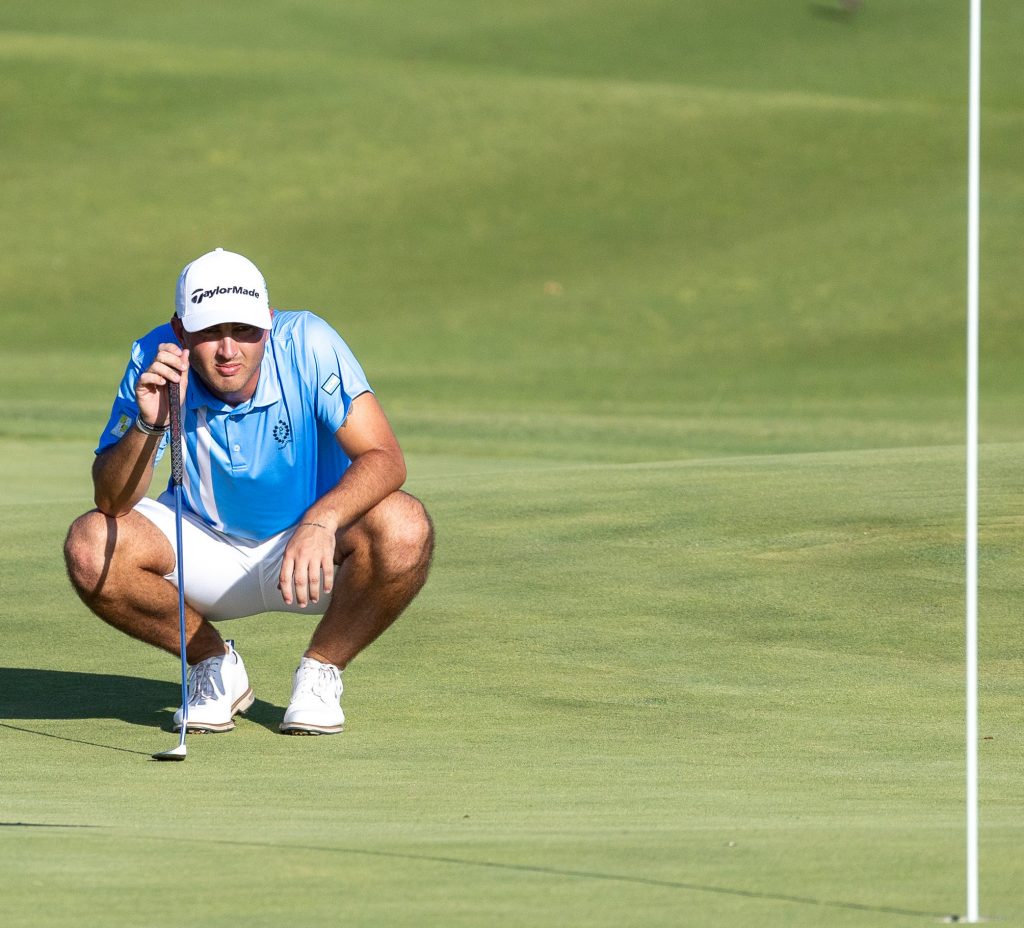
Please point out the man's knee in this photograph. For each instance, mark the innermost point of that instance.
(95, 540)
(87, 551)
(404, 535)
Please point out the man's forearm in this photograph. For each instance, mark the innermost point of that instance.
(121, 475)
(370, 479)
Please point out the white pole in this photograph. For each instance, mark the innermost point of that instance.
(973, 189)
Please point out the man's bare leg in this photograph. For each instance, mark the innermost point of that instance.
(118, 566)
(384, 558)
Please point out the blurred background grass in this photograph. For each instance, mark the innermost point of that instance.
(669, 210)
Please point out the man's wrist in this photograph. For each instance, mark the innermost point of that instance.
(147, 429)
(317, 524)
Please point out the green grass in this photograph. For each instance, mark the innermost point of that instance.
(665, 301)
(710, 686)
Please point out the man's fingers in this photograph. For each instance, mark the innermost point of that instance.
(308, 566)
(314, 583)
(284, 583)
(301, 579)
(297, 578)
(171, 361)
(169, 373)
(169, 366)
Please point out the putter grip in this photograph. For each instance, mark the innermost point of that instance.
(174, 400)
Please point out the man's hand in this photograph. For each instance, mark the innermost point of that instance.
(308, 555)
(170, 364)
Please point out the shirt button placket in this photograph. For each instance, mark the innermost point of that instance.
(235, 444)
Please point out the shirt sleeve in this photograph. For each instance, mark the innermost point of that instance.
(339, 376)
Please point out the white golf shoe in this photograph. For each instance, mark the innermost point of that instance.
(218, 690)
(315, 705)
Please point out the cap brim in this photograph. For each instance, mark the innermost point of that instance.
(241, 314)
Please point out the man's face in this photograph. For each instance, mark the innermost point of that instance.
(226, 358)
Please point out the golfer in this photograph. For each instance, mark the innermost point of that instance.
(291, 497)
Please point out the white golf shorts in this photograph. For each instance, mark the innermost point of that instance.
(225, 577)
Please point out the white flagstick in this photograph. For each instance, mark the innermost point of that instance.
(973, 189)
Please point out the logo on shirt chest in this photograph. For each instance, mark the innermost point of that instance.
(282, 433)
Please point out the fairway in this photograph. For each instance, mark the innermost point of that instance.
(665, 302)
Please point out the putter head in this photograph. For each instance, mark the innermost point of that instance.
(175, 753)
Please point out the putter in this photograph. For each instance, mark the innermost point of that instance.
(177, 467)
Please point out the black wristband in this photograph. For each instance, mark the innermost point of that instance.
(147, 429)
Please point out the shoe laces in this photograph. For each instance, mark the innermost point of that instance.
(320, 681)
(203, 682)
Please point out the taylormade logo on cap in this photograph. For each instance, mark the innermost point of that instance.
(222, 287)
(199, 294)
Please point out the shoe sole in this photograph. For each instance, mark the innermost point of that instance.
(298, 728)
(241, 706)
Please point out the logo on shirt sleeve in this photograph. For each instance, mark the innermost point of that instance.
(331, 384)
(123, 424)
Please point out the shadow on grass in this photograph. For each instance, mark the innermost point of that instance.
(595, 875)
(549, 872)
(28, 694)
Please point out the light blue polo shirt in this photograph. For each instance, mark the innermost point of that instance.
(253, 470)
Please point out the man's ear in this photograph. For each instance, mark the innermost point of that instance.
(179, 330)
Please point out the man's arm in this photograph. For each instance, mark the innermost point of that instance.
(377, 471)
(122, 473)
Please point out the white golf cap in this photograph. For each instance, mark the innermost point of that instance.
(222, 286)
